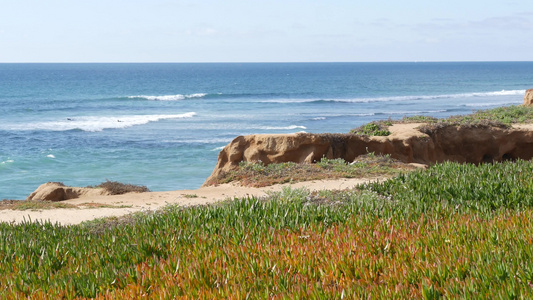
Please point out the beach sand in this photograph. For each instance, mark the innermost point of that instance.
(151, 201)
(135, 202)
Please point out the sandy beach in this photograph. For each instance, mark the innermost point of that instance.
(90, 207)
(120, 205)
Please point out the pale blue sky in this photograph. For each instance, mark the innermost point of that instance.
(265, 31)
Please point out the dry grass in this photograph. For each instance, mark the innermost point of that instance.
(101, 205)
(32, 205)
(257, 174)
(44, 205)
(118, 188)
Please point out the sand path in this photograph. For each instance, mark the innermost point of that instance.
(135, 202)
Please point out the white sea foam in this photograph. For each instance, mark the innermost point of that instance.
(282, 128)
(403, 98)
(485, 104)
(97, 123)
(168, 97)
(416, 112)
(350, 115)
(318, 118)
(218, 148)
(50, 156)
(7, 162)
(290, 100)
(501, 93)
(200, 141)
(434, 97)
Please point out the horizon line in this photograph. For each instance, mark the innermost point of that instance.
(267, 62)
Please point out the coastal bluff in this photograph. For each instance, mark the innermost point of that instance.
(528, 97)
(409, 143)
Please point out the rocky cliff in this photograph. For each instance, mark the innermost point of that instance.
(471, 144)
(528, 98)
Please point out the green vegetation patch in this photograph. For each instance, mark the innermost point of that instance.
(506, 115)
(33, 205)
(257, 174)
(418, 119)
(452, 231)
(375, 128)
(190, 196)
(502, 117)
(101, 205)
(463, 187)
(44, 205)
(118, 188)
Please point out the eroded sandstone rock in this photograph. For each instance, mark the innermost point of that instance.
(528, 98)
(470, 144)
(55, 191)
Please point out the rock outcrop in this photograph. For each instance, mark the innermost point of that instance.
(468, 144)
(55, 191)
(528, 98)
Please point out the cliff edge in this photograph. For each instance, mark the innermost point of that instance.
(409, 143)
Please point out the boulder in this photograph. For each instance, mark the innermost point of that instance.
(56, 191)
(528, 98)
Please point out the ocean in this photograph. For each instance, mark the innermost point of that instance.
(162, 125)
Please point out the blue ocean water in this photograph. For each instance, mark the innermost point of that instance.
(162, 125)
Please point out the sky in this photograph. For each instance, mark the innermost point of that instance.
(265, 31)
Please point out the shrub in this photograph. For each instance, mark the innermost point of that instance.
(418, 119)
(118, 188)
(373, 129)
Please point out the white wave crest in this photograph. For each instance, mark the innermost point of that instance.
(413, 112)
(290, 100)
(199, 141)
(501, 93)
(218, 148)
(432, 97)
(487, 104)
(7, 162)
(282, 128)
(51, 156)
(403, 98)
(168, 97)
(350, 115)
(97, 123)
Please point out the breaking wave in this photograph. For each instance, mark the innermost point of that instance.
(488, 104)
(401, 98)
(96, 123)
(291, 127)
(168, 97)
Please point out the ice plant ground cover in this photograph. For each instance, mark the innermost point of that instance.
(449, 231)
